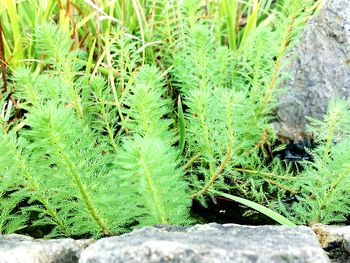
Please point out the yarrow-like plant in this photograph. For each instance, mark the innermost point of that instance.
(87, 156)
(149, 165)
(75, 182)
(323, 195)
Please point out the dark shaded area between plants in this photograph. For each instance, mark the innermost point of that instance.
(222, 210)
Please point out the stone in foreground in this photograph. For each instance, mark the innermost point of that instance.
(210, 243)
(23, 249)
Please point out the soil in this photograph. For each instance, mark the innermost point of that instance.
(337, 253)
(227, 211)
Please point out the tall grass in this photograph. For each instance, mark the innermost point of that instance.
(156, 24)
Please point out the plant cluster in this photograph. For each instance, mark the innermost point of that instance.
(323, 184)
(167, 104)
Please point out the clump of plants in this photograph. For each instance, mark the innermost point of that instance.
(97, 143)
(323, 184)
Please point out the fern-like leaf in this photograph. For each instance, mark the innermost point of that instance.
(149, 172)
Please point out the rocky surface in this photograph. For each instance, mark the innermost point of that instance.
(329, 235)
(321, 70)
(200, 243)
(335, 240)
(23, 249)
(209, 243)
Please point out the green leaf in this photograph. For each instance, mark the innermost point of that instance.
(262, 209)
(182, 128)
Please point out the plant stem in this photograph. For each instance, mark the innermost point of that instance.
(36, 188)
(162, 217)
(334, 185)
(86, 199)
(270, 175)
(190, 161)
(108, 126)
(275, 75)
(17, 51)
(207, 142)
(281, 186)
(216, 175)
(110, 66)
(332, 126)
(3, 89)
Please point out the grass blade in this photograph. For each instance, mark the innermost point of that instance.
(262, 209)
(182, 132)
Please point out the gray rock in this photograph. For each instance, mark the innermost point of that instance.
(22, 249)
(329, 235)
(321, 70)
(335, 240)
(209, 243)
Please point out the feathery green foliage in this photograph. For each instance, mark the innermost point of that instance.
(19, 179)
(148, 163)
(74, 180)
(93, 141)
(224, 126)
(10, 220)
(324, 183)
(146, 105)
(79, 168)
(149, 173)
(229, 95)
(199, 63)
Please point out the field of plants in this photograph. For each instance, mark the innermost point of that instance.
(118, 114)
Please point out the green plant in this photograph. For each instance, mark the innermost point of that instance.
(230, 96)
(95, 143)
(149, 160)
(10, 220)
(323, 195)
(73, 179)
